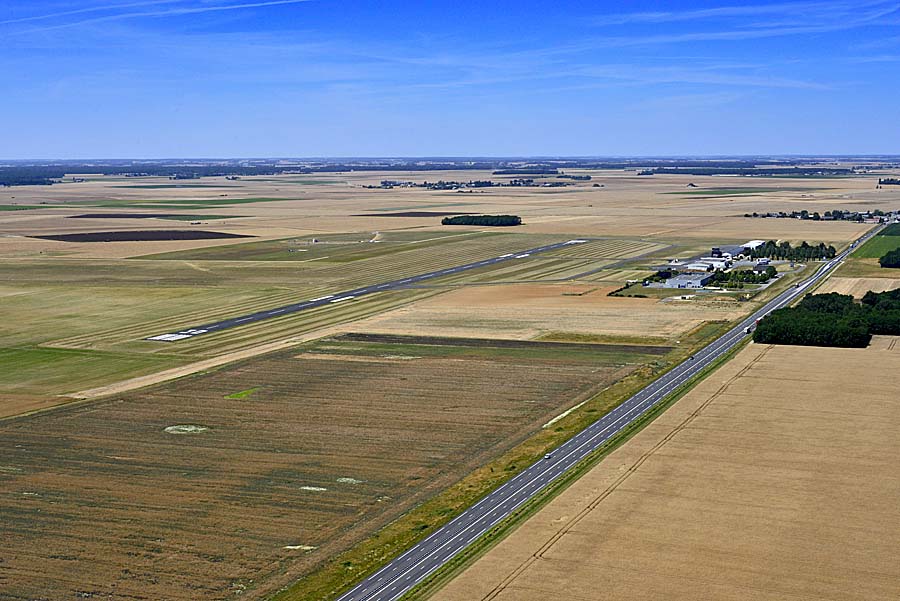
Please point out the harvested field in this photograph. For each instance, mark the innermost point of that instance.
(527, 311)
(140, 236)
(495, 343)
(240, 480)
(774, 479)
(858, 286)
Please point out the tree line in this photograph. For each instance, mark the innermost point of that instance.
(489, 220)
(737, 278)
(832, 320)
(784, 251)
(890, 258)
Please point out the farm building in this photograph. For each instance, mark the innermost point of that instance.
(690, 280)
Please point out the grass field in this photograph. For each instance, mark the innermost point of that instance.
(878, 246)
(293, 457)
(787, 453)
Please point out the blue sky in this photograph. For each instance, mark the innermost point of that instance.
(239, 78)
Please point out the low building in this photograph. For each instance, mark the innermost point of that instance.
(748, 246)
(688, 280)
(716, 262)
(697, 266)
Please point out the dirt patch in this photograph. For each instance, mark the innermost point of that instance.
(140, 236)
(185, 429)
(775, 478)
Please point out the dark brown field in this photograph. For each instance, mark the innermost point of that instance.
(140, 236)
(305, 453)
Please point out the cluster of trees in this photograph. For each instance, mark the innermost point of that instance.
(784, 251)
(30, 176)
(832, 320)
(577, 178)
(737, 278)
(489, 220)
(890, 258)
(884, 311)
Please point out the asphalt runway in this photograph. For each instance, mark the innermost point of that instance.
(403, 573)
(348, 295)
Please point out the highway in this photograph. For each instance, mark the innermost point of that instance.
(403, 573)
(340, 297)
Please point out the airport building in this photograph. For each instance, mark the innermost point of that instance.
(688, 280)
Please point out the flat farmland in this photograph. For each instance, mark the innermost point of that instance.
(775, 478)
(269, 466)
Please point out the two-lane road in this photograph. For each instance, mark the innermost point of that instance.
(403, 573)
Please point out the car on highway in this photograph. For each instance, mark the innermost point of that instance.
(548, 456)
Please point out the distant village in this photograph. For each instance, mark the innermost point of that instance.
(876, 216)
(388, 184)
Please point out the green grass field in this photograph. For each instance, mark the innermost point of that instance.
(21, 207)
(49, 371)
(878, 245)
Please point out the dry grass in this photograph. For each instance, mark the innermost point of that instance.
(775, 478)
(524, 311)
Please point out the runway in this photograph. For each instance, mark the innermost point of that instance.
(349, 295)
